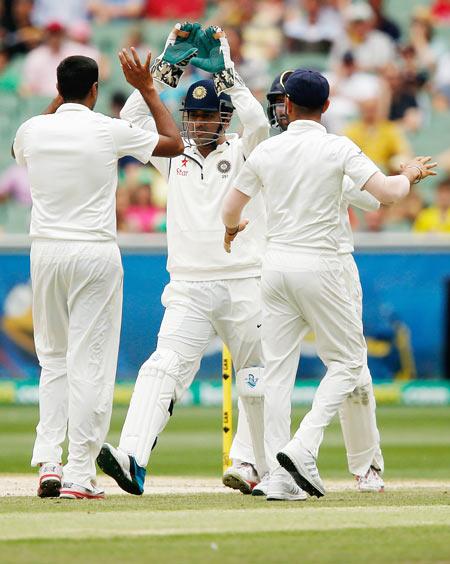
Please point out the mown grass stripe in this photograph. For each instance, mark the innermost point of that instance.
(82, 524)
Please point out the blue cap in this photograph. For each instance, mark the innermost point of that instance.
(203, 96)
(307, 88)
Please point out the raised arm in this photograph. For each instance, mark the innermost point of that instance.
(390, 189)
(170, 143)
(214, 56)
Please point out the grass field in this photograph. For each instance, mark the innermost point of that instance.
(409, 524)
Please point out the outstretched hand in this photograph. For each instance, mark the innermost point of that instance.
(422, 166)
(136, 73)
(231, 233)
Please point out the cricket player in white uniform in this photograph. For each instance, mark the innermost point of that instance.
(303, 280)
(357, 413)
(210, 293)
(71, 156)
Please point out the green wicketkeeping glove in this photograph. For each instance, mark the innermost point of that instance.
(210, 56)
(179, 49)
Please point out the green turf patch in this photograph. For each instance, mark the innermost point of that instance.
(413, 440)
(95, 524)
(399, 545)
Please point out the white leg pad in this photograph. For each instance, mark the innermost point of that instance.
(250, 387)
(359, 428)
(150, 405)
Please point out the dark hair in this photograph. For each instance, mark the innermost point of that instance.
(76, 75)
(444, 183)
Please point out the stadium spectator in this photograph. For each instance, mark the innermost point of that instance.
(17, 32)
(382, 22)
(142, 215)
(122, 205)
(9, 76)
(440, 11)
(104, 11)
(40, 64)
(402, 217)
(80, 33)
(348, 86)
(65, 12)
(14, 186)
(436, 218)
(371, 48)
(175, 9)
(404, 108)
(380, 139)
(312, 26)
(137, 38)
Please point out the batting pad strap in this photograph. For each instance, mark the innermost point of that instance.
(250, 382)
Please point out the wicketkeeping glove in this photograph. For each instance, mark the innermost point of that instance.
(214, 56)
(179, 49)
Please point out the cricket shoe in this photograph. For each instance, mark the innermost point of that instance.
(123, 468)
(371, 481)
(50, 476)
(241, 476)
(301, 465)
(261, 488)
(281, 487)
(75, 491)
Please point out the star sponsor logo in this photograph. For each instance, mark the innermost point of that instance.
(184, 162)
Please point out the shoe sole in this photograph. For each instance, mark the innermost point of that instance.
(299, 478)
(235, 483)
(67, 494)
(282, 497)
(49, 488)
(111, 467)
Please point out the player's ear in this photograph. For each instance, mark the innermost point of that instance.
(326, 106)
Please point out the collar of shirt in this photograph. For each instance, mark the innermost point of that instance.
(229, 137)
(306, 124)
(72, 107)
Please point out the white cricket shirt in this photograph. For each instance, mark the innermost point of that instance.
(71, 157)
(351, 195)
(196, 189)
(300, 174)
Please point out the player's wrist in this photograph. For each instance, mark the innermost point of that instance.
(413, 173)
(232, 230)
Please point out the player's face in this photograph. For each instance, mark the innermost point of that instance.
(280, 112)
(203, 126)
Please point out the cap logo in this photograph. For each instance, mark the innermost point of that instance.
(199, 93)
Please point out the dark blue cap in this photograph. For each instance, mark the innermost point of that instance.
(307, 88)
(203, 96)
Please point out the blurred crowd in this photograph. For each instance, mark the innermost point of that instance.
(387, 78)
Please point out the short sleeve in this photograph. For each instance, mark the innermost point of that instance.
(248, 181)
(355, 163)
(131, 140)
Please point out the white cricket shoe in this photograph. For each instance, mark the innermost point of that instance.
(50, 477)
(371, 481)
(241, 476)
(301, 465)
(75, 491)
(261, 488)
(281, 487)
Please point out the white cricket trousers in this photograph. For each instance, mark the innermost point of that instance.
(77, 309)
(301, 291)
(195, 312)
(357, 413)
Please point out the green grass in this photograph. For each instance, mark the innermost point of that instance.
(415, 441)
(399, 526)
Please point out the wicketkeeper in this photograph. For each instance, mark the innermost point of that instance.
(210, 293)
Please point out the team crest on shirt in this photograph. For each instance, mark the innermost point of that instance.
(199, 93)
(224, 167)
